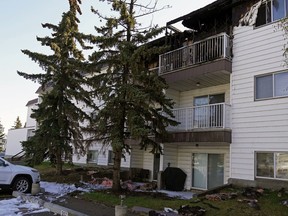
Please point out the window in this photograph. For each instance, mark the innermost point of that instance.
(272, 10)
(110, 157)
(92, 156)
(272, 85)
(272, 165)
(208, 111)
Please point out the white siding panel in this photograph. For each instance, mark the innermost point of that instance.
(257, 125)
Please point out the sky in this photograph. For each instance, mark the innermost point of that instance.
(20, 23)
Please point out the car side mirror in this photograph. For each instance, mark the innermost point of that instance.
(3, 164)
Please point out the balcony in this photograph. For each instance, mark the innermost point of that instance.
(208, 123)
(212, 48)
(207, 62)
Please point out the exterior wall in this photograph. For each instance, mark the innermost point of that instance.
(174, 95)
(14, 139)
(257, 125)
(183, 159)
(142, 159)
(170, 155)
(136, 156)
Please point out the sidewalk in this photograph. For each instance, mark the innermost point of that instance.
(71, 206)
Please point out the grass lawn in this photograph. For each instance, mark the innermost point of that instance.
(269, 203)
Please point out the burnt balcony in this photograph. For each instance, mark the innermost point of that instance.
(207, 62)
(208, 123)
(210, 49)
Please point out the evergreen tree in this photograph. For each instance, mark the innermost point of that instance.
(132, 95)
(17, 123)
(2, 135)
(63, 87)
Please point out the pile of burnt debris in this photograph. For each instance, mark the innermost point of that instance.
(249, 196)
(183, 210)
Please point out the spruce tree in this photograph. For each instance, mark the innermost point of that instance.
(59, 115)
(17, 123)
(133, 103)
(2, 134)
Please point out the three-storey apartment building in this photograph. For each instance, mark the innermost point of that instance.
(228, 78)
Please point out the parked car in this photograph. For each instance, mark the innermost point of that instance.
(16, 177)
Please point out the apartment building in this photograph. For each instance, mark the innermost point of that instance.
(16, 136)
(229, 81)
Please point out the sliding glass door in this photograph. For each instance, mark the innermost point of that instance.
(207, 170)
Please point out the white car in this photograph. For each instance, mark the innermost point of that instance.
(16, 177)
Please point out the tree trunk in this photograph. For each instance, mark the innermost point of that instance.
(59, 162)
(116, 170)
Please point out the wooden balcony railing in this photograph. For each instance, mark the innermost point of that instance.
(212, 48)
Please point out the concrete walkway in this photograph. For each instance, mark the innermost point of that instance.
(78, 207)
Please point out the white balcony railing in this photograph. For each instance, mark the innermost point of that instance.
(212, 48)
(208, 116)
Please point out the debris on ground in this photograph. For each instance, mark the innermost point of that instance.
(281, 192)
(284, 202)
(253, 193)
(251, 202)
(221, 196)
(191, 210)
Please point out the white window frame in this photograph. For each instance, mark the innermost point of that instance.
(274, 165)
(273, 86)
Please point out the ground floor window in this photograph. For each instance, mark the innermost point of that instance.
(207, 170)
(92, 156)
(272, 165)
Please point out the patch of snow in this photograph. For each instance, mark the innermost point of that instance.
(179, 194)
(18, 207)
(60, 189)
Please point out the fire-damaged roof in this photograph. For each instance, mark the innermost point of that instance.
(195, 19)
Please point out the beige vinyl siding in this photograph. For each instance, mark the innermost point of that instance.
(142, 159)
(174, 95)
(136, 156)
(170, 155)
(185, 99)
(257, 125)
